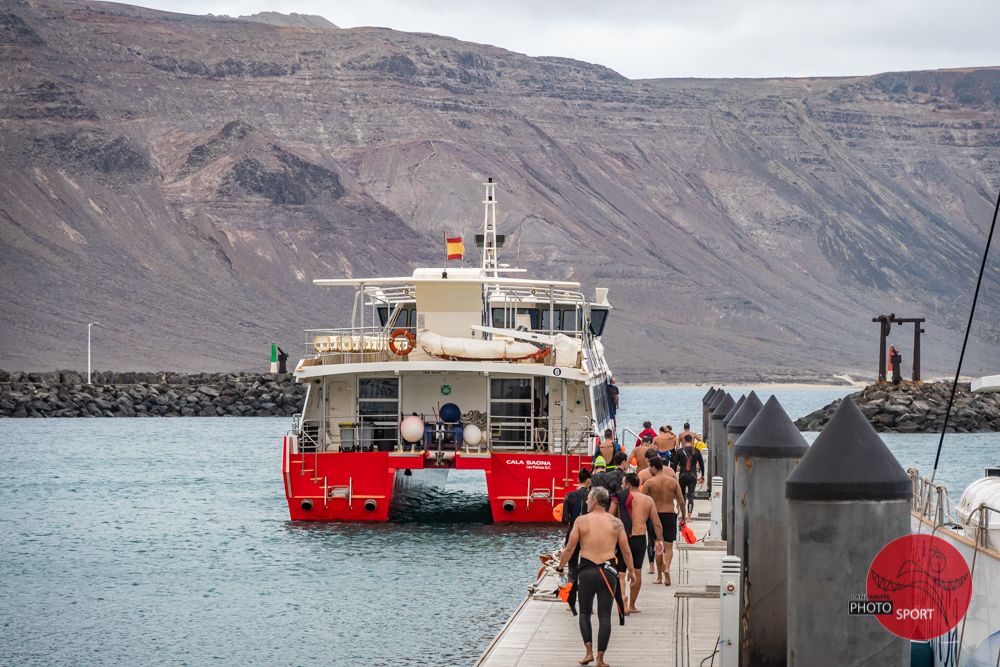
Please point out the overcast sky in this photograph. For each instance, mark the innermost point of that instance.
(678, 38)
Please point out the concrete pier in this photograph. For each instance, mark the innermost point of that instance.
(679, 624)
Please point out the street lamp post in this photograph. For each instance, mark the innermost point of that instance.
(89, 325)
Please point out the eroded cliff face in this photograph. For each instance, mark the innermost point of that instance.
(182, 180)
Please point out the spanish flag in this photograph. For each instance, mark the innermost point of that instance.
(454, 247)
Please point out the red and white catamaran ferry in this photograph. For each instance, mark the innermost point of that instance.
(450, 368)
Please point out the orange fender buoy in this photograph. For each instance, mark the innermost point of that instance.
(557, 512)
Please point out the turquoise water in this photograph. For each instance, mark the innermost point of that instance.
(166, 541)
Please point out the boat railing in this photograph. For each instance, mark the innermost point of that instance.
(374, 344)
(929, 500)
(369, 433)
(354, 433)
(980, 525)
(349, 345)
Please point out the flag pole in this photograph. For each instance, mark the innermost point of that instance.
(444, 236)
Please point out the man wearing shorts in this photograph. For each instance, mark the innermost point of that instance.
(663, 488)
(641, 511)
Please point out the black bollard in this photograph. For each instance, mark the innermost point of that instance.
(727, 464)
(705, 400)
(736, 423)
(848, 498)
(712, 404)
(765, 454)
(732, 413)
(718, 447)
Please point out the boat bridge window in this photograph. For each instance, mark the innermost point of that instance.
(565, 318)
(502, 317)
(407, 318)
(598, 318)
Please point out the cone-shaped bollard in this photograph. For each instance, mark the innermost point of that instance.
(732, 413)
(736, 423)
(727, 464)
(717, 448)
(712, 403)
(705, 416)
(764, 455)
(705, 400)
(712, 434)
(848, 498)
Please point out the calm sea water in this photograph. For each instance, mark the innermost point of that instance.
(166, 541)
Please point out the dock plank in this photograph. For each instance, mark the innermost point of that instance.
(544, 632)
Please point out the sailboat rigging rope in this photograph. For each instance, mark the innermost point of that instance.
(965, 341)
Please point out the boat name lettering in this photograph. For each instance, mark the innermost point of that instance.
(538, 464)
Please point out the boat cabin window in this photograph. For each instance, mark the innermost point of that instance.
(378, 413)
(598, 318)
(510, 412)
(407, 318)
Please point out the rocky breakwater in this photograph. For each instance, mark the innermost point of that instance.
(112, 394)
(917, 408)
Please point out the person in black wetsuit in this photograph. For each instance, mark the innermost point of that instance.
(690, 468)
(574, 506)
(598, 534)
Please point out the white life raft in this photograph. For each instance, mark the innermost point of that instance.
(449, 347)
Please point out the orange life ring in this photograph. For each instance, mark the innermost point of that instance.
(411, 340)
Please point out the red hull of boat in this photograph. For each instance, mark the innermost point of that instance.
(358, 486)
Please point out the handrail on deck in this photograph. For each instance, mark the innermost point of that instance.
(381, 433)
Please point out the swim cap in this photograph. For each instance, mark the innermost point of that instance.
(647, 438)
(599, 462)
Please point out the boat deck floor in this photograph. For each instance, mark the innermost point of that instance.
(679, 624)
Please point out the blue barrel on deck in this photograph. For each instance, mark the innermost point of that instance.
(450, 413)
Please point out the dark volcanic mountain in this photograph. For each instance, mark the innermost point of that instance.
(182, 179)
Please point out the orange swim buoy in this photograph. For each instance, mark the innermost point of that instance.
(557, 512)
(411, 342)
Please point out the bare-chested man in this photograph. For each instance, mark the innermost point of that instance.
(687, 431)
(665, 491)
(641, 509)
(639, 453)
(644, 476)
(607, 446)
(598, 534)
(665, 441)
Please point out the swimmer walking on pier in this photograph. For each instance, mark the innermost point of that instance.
(598, 534)
(663, 488)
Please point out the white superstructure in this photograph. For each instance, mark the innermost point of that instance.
(521, 358)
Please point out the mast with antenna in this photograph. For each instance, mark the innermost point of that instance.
(490, 260)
